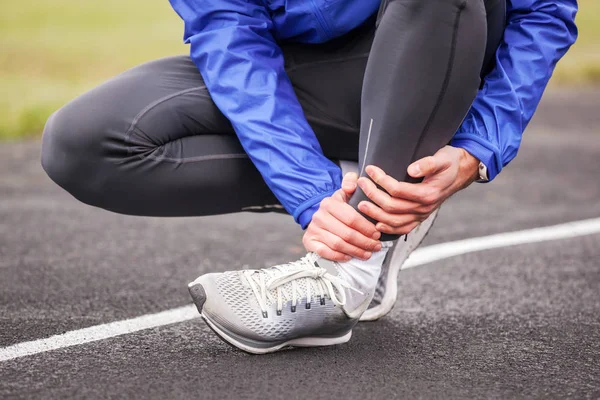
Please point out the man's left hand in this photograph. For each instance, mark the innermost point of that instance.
(403, 206)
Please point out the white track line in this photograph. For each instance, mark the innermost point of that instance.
(437, 252)
(99, 332)
(421, 256)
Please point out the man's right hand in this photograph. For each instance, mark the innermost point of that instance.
(337, 231)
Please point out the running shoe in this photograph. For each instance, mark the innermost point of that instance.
(306, 303)
(386, 291)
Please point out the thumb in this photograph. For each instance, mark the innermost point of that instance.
(423, 167)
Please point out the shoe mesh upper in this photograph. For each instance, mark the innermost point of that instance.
(238, 298)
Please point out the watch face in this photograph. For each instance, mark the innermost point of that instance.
(483, 175)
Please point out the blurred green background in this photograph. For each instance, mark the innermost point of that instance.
(52, 51)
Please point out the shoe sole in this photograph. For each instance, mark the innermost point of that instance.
(199, 297)
(388, 302)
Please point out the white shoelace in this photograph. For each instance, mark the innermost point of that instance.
(318, 282)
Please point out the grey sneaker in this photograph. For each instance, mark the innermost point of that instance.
(386, 291)
(304, 303)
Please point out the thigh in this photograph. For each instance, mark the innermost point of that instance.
(151, 142)
(140, 111)
(162, 104)
(159, 104)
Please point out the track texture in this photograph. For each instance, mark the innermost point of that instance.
(522, 321)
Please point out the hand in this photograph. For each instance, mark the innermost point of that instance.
(337, 231)
(406, 205)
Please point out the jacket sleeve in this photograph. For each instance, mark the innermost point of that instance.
(243, 68)
(537, 35)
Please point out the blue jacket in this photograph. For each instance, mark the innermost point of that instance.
(234, 45)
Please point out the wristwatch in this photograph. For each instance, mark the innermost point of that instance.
(483, 173)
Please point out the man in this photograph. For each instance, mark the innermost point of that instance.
(275, 97)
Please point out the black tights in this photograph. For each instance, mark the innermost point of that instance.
(151, 141)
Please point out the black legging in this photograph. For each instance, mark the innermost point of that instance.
(151, 141)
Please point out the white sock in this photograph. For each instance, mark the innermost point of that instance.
(363, 274)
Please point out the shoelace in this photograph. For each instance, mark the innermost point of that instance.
(319, 281)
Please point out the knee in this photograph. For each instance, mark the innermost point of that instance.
(68, 154)
(57, 147)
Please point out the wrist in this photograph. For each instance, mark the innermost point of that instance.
(468, 166)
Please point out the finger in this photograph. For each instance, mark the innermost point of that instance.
(401, 230)
(427, 166)
(340, 196)
(395, 205)
(423, 167)
(325, 252)
(395, 190)
(393, 220)
(361, 243)
(380, 197)
(350, 217)
(420, 193)
(382, 179)
(349, 182)
(337, 244)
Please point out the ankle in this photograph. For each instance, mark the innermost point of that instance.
(364, 273)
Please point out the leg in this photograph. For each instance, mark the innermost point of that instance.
(421, 78)
(386, 290)
(151, 142)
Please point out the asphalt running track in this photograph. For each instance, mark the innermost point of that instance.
(518, 320)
